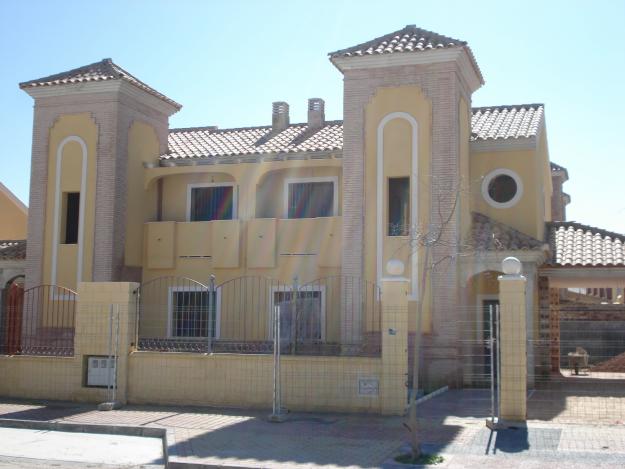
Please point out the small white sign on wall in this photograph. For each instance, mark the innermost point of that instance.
(368, 386)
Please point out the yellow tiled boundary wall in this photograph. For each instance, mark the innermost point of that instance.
(308, 383)
(235, 380)
(55, 378)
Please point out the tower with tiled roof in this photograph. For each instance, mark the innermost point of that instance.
(94, 128)
(407, 108)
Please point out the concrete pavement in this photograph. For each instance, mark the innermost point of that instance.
(116, 450)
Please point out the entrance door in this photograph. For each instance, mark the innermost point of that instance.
(489, 305)
(12, 321)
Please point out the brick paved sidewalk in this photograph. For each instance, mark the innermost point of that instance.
(242, 438)
(233, 438)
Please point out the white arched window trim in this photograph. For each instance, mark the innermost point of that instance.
(414, 203)
(57, 208)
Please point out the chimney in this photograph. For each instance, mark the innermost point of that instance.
(279, 116)
(316, 113)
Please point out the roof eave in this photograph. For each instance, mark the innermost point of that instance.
(504, 144)
(579, 276)
(166, 106)
(13, 198)
(535, 256)
(250, 158)
(459, 54)
(476, 67)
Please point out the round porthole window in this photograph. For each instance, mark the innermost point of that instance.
(502, 188)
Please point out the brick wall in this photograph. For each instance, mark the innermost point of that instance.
(441, 83)
(558, 202)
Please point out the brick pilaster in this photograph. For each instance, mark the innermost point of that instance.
(442, 85)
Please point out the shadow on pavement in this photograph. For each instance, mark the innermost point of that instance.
(44, 411)
(510, 440)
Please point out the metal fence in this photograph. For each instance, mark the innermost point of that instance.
(329, 316)
(39, 321)
(579, 369)
(479, 358)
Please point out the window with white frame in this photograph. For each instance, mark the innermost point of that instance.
(311, 197)
(302, 316)
(193, 313)
(502, 188)
(215, 201)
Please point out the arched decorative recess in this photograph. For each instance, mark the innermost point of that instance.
(414, 203)
(57, 207)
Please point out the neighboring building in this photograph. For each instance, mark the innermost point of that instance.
(13, 222)
(13, 215)
(118, 195)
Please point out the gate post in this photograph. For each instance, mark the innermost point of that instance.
(512, 342)
(394, 347)
(91, 327)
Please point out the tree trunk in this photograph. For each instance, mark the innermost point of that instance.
(415, 444)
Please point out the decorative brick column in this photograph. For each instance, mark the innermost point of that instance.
(42, 121)
(554, 329)
(443, 84)
(512, 342)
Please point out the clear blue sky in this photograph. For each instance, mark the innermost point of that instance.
(227, 61)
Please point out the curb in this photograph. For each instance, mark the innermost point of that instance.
(100, 429)
(193, 465)
(427, 397)
(164, 434)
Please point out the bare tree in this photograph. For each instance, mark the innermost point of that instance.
(427, 240)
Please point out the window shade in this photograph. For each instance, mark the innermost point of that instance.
(311, 199)
(212, 203)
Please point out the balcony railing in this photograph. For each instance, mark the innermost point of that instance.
(266, 239)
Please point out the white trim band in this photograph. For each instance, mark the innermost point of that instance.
(414, 200)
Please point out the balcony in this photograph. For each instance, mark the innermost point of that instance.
(256, 243)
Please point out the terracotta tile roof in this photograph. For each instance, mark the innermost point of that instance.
(209, 142)
(574, 244)
(98, 71)
(490, 235)
(13, 249)
(506, 122)
(408, 39)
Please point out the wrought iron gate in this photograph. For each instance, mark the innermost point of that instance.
(328, 316)
(38, 321)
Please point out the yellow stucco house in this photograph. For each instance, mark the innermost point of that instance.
(13, 215)
(13, 221)
(332, 208)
